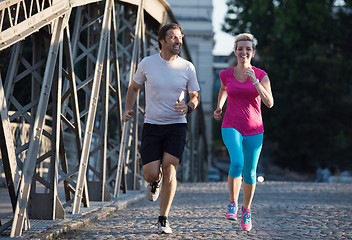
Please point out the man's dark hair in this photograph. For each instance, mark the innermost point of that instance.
(163, 30)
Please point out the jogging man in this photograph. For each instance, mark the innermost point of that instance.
(168, 77)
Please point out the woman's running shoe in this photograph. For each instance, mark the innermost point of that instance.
(231, 213)
(246, 222)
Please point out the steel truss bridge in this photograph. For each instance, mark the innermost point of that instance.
(62, 94)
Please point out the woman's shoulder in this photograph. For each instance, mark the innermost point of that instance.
(226, 72)
(259, 72)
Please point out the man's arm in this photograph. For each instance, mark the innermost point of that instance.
(131, 97)
(194, 100)
(182, 108)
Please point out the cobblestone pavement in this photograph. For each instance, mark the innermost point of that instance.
(280, 210)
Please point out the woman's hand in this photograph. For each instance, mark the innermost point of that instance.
(250, 73)
(217, 114)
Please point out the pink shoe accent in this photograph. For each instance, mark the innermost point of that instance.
(231, 213)
(246, 222)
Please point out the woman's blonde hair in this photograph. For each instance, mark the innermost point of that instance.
(245, 37)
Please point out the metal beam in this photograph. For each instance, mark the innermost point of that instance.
(160, 10)
(30, 161)
(8, 150)
(93, 106)
(20, 29)
(87, 91)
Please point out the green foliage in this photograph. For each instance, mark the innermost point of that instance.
(305, 46)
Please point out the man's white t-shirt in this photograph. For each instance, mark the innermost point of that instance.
(166, 81)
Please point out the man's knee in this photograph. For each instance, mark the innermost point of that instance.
(169, 165)
(151, 171)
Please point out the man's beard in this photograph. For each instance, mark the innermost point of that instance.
(176, 51)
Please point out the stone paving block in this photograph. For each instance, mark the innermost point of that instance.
(280, 210)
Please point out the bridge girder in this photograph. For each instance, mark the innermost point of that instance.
(84, 54)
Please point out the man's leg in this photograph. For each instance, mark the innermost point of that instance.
(169, 183)
(151, 171)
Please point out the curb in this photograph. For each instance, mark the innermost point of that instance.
(98, 213)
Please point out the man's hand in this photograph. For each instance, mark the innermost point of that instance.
(180, 107)
(127, 115)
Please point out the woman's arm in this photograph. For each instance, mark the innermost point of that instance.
(222, 96)
(264, 90)
(263, 87)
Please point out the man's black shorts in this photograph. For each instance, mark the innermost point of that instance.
(157, 139)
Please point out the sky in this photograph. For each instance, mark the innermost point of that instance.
(223, 41)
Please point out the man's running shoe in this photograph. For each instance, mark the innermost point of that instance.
(231, 213)
(246, 222)
(152, 191)
(164, 226)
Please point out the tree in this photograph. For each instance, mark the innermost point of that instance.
(305, 48)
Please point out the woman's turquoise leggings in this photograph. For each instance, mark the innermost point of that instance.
(244, 151)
